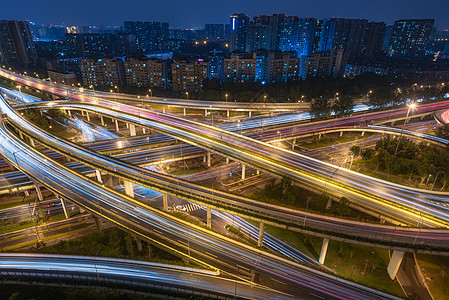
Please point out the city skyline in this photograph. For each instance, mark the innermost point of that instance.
(198, 13)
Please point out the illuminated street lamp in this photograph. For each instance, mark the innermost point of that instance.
(226, 97)
(151, 92)
(187, 95)
(410, 106)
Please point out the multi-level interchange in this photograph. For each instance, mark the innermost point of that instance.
(84, 176)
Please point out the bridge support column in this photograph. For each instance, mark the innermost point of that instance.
(127, 125)
(132, 130)
(261, 231)
(101, 120)
(243, 171)
(138, 242)
(69, 112)
(319, 136)
(21, 135)
(208, 159)
(209, 217)
(204, 158)
(395, 262)
(184, 111)
(98, 174)
(88, 116)
(129, 189)
(257, 172)
(249, 114)
(38, 192)
(32, 143)
(150, 250)
(64, 208)
(341, 133)
(97, 223)
(227, 160)
(117, 128)
(323, 251)
(165, 202)
(205, 112)
(163, 109)
(227, 113)
(363, 133)
(143, 130)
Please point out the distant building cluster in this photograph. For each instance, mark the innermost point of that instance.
(266, 48)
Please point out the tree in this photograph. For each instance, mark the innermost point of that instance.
(343, 207)
(367, 154)
(321, 201)
(320, 107)
(355, 150)
(343, 106)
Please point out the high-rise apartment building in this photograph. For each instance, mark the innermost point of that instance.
(322, 64)
(100, 45)
(346, 34)
(214, 32)
(298, 35)
(410, 37)
(239, 24)
(151, 36)
(102, 73)
(373, 39)
(188, 75)
(16, 43)
(147, 72)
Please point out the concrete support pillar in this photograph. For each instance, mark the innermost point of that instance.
(258, 172)
(184, 111)
(227, 113)
(209, 217)
(21, 135)
(249, 114)
(395, 262)
(98, 174)
(82, 112)
(64, 208)
(127, 125)
(27, 194)
(38, 192)
(208, 159)
(117, 128)
(32, 143)
(143, 130)
(341, 133)
(227, 160)
(132, 130)
(97, 223)
(129, 189)
(101, 120)
(261, 230)
(69, 113)
(163, 109)
(243, 171)
(165, 202)
(319, 136)
(363, 133)
(88, 116)
(204, 158)
(150, 250)
(139, 244)
(323, 251)
(205, 112)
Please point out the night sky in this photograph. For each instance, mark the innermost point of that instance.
(191, 13)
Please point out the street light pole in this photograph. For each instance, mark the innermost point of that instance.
(410, 106)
